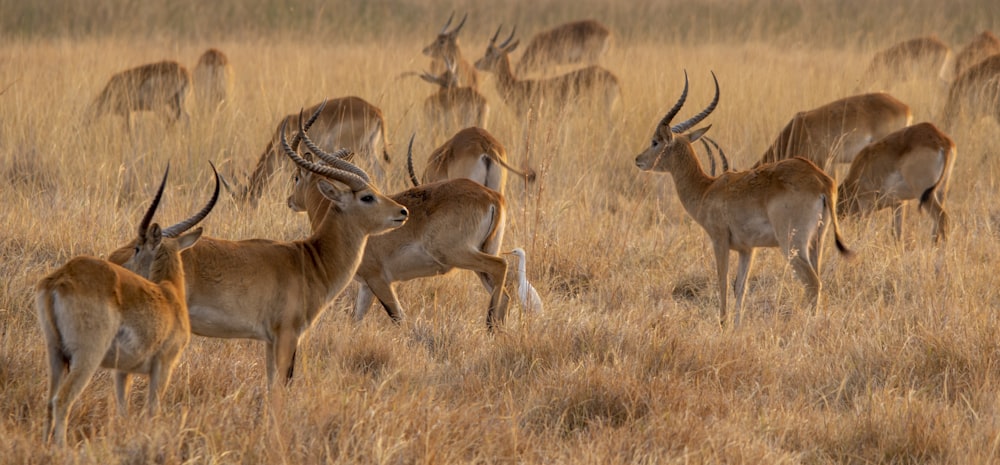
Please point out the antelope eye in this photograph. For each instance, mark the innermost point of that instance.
(368, 198)
(655, 142)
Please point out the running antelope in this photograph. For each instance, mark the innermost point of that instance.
(975, 93)
(471, 153)
(213, 79)
(454, 107)
(131, 319)
(978, 49)
(570, 43)
(348, 122)
(787, 204)
(445, 47)
(837, 131)
(456, 223)
(273, 291)
(912, 163)
(592, 82)
(161, 87)
(912, 59)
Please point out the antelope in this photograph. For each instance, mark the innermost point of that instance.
(837, 131)
(521, 95)
(974, 93)
(213, 79)
(445, 47)
(349, 122)
(526, 293)
(912, 163)
(160, 87)
(471, 153)
(787, 204)
(914, 58)
(455, 223)
(454, 106)
(273, 291)
(978, 49)
(574, 42)
(131, 319)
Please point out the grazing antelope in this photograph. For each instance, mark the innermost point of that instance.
(347, 122)
(837, 131)
(978, 49)
(912, 163)
(161, 87)
(131, 319)
(592, 82)
(914, 58)
(456, 223)
(526, 293)
(574, 42)
(213, 79)
(471, 153)
(273, 291)
(787, 204)
(445, 47)
(454, 107)
(975, 93)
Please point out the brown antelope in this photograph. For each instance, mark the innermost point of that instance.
(978, 49)
(131, 319)
(837, 131)
(592, 82)
(445, 47)
(213, 79)
(912, 163)
(347, 122)
(914, 58)
(472, 153)
(787, 204)
(273, 291)
(574, 42)
(975, 93)
(452, 106)
(160, 87)
(456, 223)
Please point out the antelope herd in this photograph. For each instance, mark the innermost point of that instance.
(135, 311)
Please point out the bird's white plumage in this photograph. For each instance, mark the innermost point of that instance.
(525, 291)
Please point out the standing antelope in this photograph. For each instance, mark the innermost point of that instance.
(978, 49)
(456, 223)
(574, 42)
(837, 131)
(348, 122)
(592, 82)
(213, 79)
(273, 291)
(160, 87)
(131, 319)
(445, 47)
(471, 153)
(914, 58)
(787, 204)
(975, 93)
(453, 107)
(912, 163)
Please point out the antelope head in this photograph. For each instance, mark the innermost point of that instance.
(496, 52)
(668, 142)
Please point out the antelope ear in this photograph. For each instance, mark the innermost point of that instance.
(430, 78)
(336, 192)
(154, 235)
(697, 133)
(189, 238)
(510, 48)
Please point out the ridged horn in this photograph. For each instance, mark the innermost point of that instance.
(355, 182)
(183, 226)
(409, 162)
(700, 116)
(677, 106)
(148, 216)
(335, 161)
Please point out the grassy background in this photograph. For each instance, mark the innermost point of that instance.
(627, 363)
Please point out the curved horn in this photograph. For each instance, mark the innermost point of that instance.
(303, 128)
(444, 29)
(355, 182)
(335, 161)
(340, 154)
(183, 226)
(700, 116)
(512, 31)
(711, 158)
(460, 24)
(677, 106)
(409, 162)
(493, 39)
(722, 155)
(148, 216)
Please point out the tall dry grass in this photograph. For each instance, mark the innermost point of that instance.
(627, 364)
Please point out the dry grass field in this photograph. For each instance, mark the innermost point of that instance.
(627, 363)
